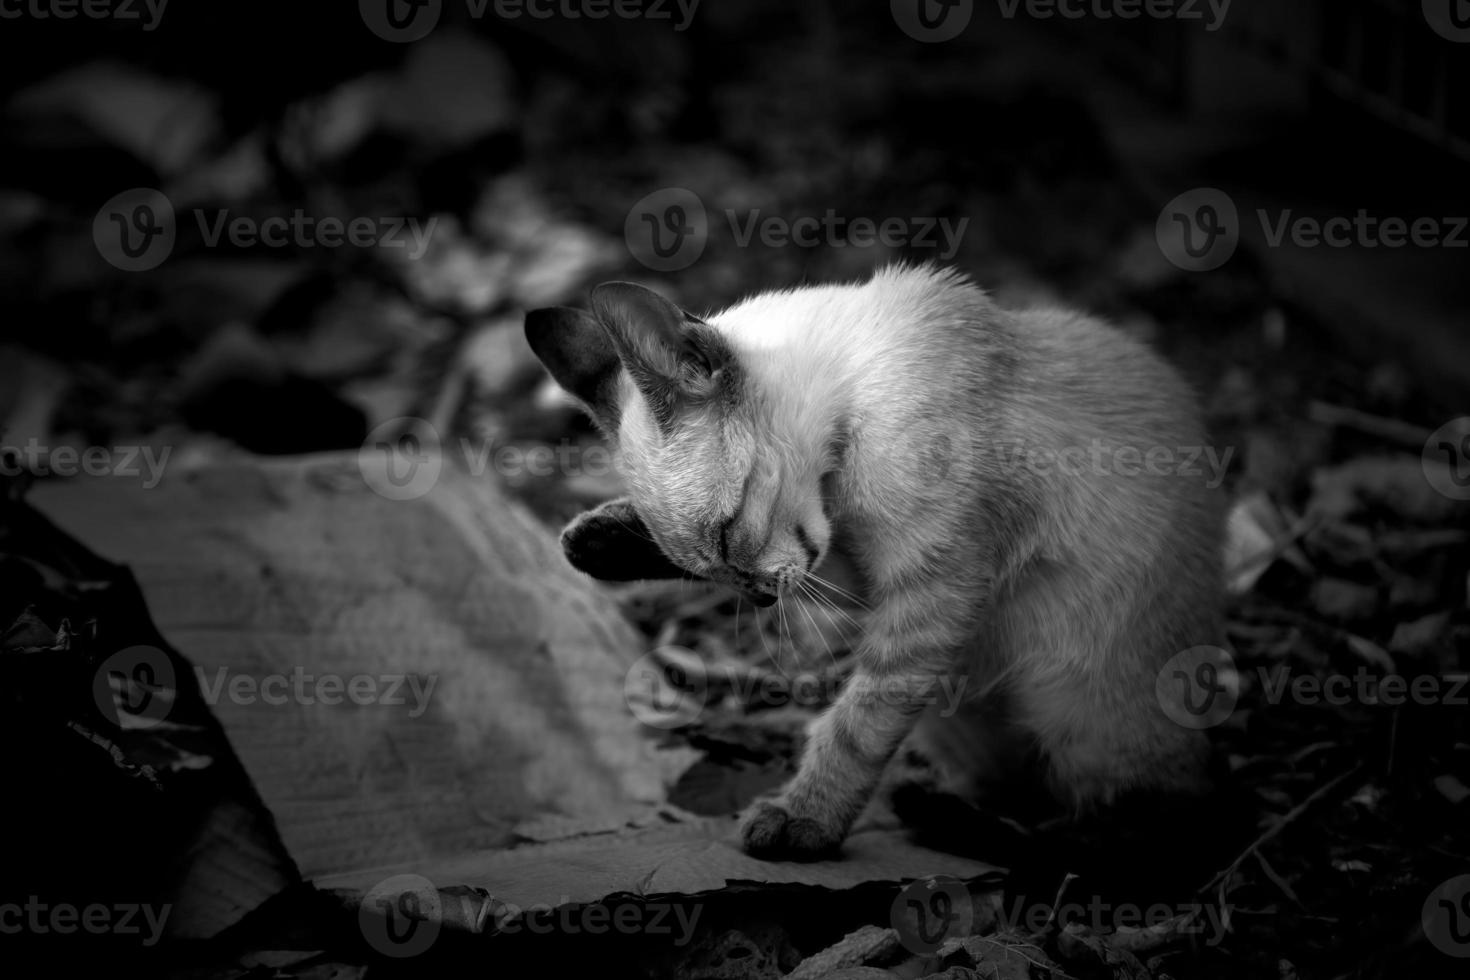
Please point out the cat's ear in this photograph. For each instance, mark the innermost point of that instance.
(579, 354)
(671, 354)
(612, 543)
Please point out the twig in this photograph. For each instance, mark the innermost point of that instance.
(1291, 817)
(1056, 903)
(1278, 881)
(1405, 434)
(1299, 529)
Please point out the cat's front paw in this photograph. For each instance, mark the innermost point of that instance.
(772, 831)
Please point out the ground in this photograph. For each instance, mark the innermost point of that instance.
(1348, 566)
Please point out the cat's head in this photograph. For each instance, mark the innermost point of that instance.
(725, 469)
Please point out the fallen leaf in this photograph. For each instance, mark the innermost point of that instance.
(860, 948)
(1452, 789)
(1414, 639)
(1396, 484)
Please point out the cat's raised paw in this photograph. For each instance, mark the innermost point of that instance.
(770, 831)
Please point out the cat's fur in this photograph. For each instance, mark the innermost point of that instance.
(911, 420)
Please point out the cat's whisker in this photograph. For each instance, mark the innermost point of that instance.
(828, 607)
(827, 603)
(833, 586)
(737, 620)
(786, 632)
(838, 590)
(760, 630)
(818, 630)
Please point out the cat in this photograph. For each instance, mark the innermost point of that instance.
(1011, 485)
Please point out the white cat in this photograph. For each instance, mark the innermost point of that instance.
(1010, 484)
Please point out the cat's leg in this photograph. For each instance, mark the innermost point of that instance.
(904, 666)
(969, 749)
(1086, 691)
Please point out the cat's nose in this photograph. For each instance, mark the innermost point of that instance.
(763, 590)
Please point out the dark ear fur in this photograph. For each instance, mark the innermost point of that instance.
(580, 356)
(612, 543)
(671, 355)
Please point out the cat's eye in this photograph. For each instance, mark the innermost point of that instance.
(725, 540)
(805, 540)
